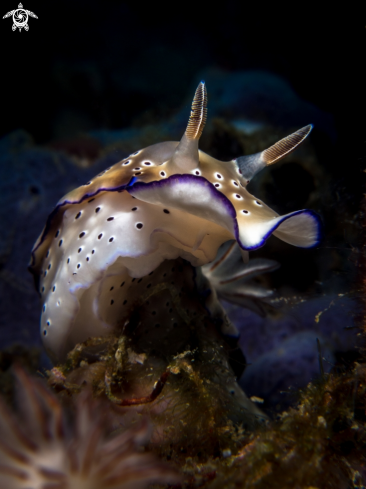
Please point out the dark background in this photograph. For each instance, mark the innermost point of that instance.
(104, 64)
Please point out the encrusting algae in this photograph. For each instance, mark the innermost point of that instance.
(182, 377)
(129, 268)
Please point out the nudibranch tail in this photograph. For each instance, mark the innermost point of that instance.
(252, 164)
(197, 119)
(185, 157)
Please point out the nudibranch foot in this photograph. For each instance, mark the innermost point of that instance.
(172, 360)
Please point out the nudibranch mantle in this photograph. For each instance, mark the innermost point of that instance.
(166, 201)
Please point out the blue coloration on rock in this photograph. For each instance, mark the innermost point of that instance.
(282, 351)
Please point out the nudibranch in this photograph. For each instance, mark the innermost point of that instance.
(166, 201)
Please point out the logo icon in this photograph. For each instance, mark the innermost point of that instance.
(20, 17)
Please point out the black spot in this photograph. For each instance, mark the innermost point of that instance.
(44, 332)
(87, 183)
(240, 171)
(139, 225)
(79, 250)
(218, 175)
(122, 284)
(167, 304)
(127, 162)
(112, 302)
(237, 196)
(166, 211)
(111, 239)
(137, 152)
(78, 215)
(44, 308)
(78, 265)
(148, 286)
(97, 209)
(162, 173)
(48, 323)
(48, 254)
(245, 212)
(91, 200)
(34, 190)
(124, 302)
(100, 236)
(139, 280)
(60, 242)
(137, 173)
(57, 233)
(87, 258)
(134, 209)
(42, 289)
(111, 288)
(347, 447)
(197, 172)
(93, 251)
(151, 272)
(217, 185)
(81, 235)
(133, 280)
(137, 169)
(147, 163)
(236, 185)
(54, 288)
(49, 266)
(68, 260)
(110, 218)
